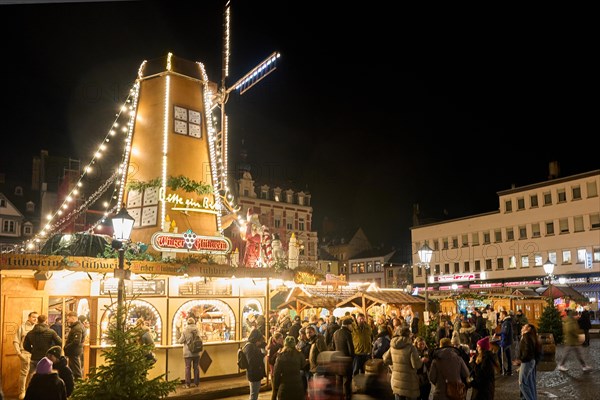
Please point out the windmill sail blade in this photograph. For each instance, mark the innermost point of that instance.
(257, 74)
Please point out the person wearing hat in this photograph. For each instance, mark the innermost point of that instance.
(484, 365)
(59, 363)
(287, 378)
(45, 383)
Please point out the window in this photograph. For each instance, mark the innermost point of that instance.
(548, 199)
(436, 269)
(456, 268)
(30, 206)
(488, 264)
(369, 267)
(521, 203)
(263, 194)
(436, 245)
(563, 224)
(289, 225)
(18, 191)
(512, 262)
(566, 256)
(522, 232)
(534, 200)
(446, 268)
(467, 267)
(510, 234)
(537, 259)
(596, 251)
(475, 239)
(497, 235)
(246, 193)
(550, 228)
(289, 198)
(535, 230)
(592, 189)
(8, 227)
(390, 273)
(500, 263)
(465, 240)
(508, 206)
(27, 230)
(595, 221)
(524, 261)
(445, 244)
(378, 266)
(578, 223)
(552, 257)
(581, 256)
(2, 203)
(277, 222)
(301, 200)
(301, 224)
(562, 195)
(455, 242)
(576, 192)
(477, 265)
(486, 238)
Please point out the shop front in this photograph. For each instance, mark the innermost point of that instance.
(225, 302)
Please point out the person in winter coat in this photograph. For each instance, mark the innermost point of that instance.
(317, 345)
(342, 342)
(424, 384)
(45, 383)
(571, 339)
(404, 358)
(506, 340)
(190, 359)
(530, 350)
(446, 366)
(585, 324)
(381, 343)
(332, 326)
(74, 344)
(59, 363)
(483, 365)
(287, 375)
(275, 344)
(362, 336)
(255, 353)
(38, 341)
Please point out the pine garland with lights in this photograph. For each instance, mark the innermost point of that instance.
(551, 322)
(124, 375)
(173, 182)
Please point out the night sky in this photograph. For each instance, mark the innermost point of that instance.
(371, 109)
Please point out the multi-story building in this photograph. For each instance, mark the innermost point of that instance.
(557, 220)
(343, 250)
(283, 212)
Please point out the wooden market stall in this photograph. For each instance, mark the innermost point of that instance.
(312, 299)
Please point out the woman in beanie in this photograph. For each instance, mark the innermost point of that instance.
(483, 371)
(45, 383)
(287, 376)
(255, 353)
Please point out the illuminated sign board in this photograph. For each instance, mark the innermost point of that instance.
(457, 277)
(189, 242)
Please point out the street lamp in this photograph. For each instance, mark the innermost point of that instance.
(549, 269)
(425, 253)
(122, 225)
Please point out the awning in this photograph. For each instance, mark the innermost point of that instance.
(593, 288)
(366, 300)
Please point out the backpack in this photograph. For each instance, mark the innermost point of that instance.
(242, 360)
(196, 345)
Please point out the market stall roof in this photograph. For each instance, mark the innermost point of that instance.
(565, 291)
(525, 293)
(366, 300)
(302, 297)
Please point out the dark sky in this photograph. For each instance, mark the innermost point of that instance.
(372, 108)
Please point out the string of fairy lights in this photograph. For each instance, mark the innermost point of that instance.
(60, 219)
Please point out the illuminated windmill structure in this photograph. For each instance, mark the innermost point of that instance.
(174, 173)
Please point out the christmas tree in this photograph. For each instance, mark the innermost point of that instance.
(551, 322)
(124, 374)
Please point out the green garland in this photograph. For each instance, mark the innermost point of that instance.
(173, 182)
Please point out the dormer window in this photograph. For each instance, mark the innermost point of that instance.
(18, 191)
(30, 206)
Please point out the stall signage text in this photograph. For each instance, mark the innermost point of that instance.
(185, 242)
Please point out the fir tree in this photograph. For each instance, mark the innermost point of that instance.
(124, 374)
(551, 322)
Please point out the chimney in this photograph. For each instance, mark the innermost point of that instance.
(553, 170)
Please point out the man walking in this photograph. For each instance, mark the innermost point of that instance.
(24, 356)
(342, 342)
(38, 341)
(74, 343)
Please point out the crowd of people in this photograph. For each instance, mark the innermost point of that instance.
(357, 356)
(49, 367)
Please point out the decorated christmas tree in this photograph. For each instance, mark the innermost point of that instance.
(551, 322)
(124, 374)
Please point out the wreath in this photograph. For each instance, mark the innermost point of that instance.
(174, 182)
